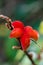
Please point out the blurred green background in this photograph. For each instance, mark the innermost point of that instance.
(30, 12)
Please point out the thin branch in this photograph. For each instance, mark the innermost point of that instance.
(35, 43)
(8, 21)
(33, 63)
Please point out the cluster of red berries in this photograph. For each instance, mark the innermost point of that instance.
(24, 33)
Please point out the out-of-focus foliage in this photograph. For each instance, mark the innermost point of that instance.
(41, 27)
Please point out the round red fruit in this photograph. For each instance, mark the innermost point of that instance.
(18, 24)
(16, 33)
(29, 30)
(35, 35)
(25, 41)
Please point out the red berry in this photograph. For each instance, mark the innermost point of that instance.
(18, 24)
(25, 41)
(29, 30)
(16, 33)
(28, 27)
(35, 35)
(32, 33)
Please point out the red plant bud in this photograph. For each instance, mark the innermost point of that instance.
(29, 30)
(18, 24)
(16, 33)
(25, 41)
(35, 35)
